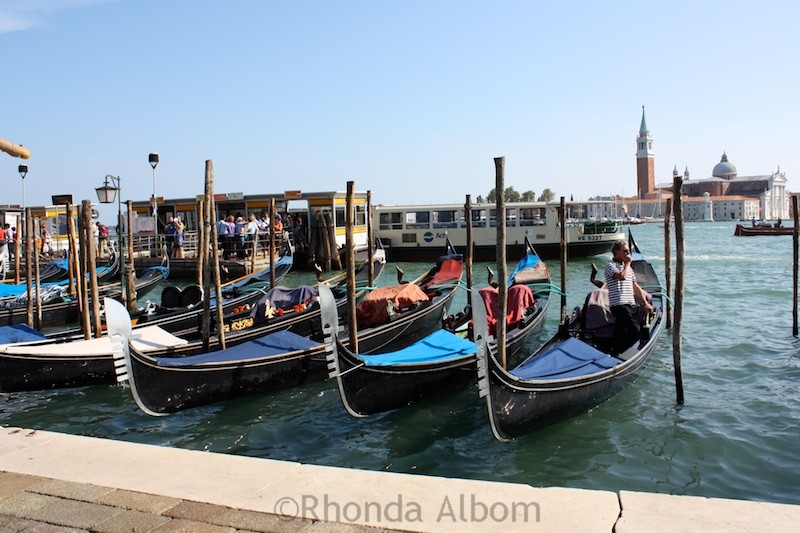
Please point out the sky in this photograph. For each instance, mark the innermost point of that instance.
(411, 100)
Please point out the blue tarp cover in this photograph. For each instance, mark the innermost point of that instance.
(19, 333)
(268, 345)
(438, 346)
(571, 358)
(529, 261)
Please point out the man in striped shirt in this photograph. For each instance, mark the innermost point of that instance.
(623, 292)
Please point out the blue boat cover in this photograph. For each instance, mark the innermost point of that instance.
(8, 290)
(266, 346)
(568, 359)
(19, 333)
(529, 261)
(439, 346)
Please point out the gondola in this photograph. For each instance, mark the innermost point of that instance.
(529, 287)
(52, 276)
(442, 361)
(162, 383)
(50, 362)
(753, 231)
(60, 309)
(297, 309)
(574, 371)
(396, 316)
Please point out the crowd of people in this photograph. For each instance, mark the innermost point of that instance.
(237, 236)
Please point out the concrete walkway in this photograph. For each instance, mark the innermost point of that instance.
(51, 482)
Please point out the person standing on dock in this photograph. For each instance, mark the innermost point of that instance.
(177, 237)
(102, 239)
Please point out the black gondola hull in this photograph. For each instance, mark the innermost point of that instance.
(519, 408)
(170, 389)
(43, 373)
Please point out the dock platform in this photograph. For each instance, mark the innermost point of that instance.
(55, 482)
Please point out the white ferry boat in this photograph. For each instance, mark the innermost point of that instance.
(418, 232)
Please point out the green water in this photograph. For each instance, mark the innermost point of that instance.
(736, 436)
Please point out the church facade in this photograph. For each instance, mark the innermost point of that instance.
(723, 196)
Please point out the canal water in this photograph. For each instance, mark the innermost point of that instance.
(736, 436)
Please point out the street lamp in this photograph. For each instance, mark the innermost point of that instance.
(106, 195)
(23, 171)
(153, 160)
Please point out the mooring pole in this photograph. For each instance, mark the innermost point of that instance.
(562, 219)
(370, 241)
(668, 262)
(468, 252)
(350, 246)
(680, 266)
(795, 241)
(502, 304)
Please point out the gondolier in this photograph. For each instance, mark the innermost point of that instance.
(623, 292)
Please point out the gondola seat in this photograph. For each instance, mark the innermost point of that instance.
(598, 322)
(171, 297)
(191, 295)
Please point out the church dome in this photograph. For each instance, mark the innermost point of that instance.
(724, 169)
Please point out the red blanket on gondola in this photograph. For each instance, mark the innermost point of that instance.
(520, 298)
(382, 303)
(449, 270)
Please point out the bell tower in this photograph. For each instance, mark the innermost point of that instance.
(645, 163)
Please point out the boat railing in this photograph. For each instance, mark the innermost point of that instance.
(152, 245)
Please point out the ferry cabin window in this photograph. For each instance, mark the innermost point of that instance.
(446, 219)
(359, 215)
(478, 217)
(391, 220)
(511, 217)
(532, 216)
(418, 219)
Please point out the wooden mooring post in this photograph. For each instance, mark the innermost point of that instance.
(350, 246)
(680, 267)
(502, 302)
(668, 262)
(795, 243)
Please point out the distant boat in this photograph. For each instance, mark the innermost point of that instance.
(417, 232)
(751, 231)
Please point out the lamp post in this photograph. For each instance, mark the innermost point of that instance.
(23, 171)
(153, 160)
(106, 195)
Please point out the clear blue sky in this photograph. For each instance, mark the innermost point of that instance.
(410, 99)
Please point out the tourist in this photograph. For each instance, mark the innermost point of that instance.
(225, 228)
(251, 230)
(238, 232)
(11, 239)
(177, 237)
(623, 293)
(47, 242)
(169, 235)
(102, 239)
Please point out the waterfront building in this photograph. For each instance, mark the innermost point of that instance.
(723, 196)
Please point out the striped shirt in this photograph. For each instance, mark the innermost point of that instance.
(620, 292)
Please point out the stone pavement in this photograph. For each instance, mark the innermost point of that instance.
(42, 505)
(51, 482)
